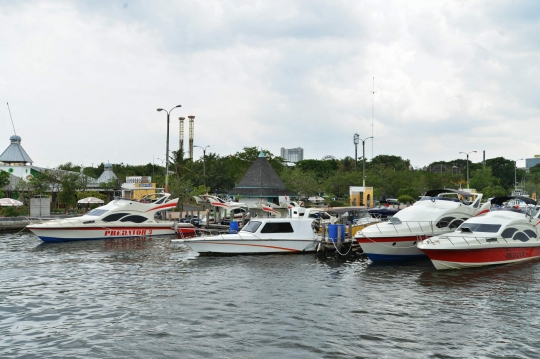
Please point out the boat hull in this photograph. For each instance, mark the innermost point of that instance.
(70, 234)
(444, 259)
(209, 247)
(388, 249)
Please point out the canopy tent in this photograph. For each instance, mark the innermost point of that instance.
(10, 202)
(89, 200)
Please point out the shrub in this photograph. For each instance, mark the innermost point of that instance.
(11, 211)
(405, 199)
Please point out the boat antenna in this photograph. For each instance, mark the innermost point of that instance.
(12, 124)
(372, 114)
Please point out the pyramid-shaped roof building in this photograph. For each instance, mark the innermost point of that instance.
(15, 153)
(261, 180)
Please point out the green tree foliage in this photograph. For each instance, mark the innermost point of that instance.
(405, 199)
(494, 191)
(391, 162)
(181, 188)
(503, 170)
(320, 168)
(70, 183)
(482, 178)
(303, 183)
(4, 181)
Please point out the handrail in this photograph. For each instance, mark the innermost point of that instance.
(412, 227)
(484, 238)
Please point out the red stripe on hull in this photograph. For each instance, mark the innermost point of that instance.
(483, 255)
(389, 239)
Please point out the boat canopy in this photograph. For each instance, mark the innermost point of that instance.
(436, 192)
(502, 199)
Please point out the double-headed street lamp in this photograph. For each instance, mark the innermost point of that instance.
(204, 160)
(364, 160)
(167, 150)
(468, 153)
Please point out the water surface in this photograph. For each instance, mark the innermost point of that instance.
(149, 298)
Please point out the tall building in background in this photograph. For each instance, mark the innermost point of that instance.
(529, 162)
(292, 154)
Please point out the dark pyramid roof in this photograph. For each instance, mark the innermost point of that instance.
(15, 153)
(261, 180)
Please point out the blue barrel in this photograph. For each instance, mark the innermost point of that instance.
(333, 230)
(233, 227)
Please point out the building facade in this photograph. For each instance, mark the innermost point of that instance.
(292, 154)
(531, 162)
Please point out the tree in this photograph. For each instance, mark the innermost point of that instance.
(503, 170)
(109, 186)
(303, 183)
(70, 183)
(482, 178)
(494, 191)
(4, 181)
(180, 188)
(389, 161)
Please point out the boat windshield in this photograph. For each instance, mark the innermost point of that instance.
(97, 212)
(251, 227)
(479, 227)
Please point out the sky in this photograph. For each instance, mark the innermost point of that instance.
(428, 79)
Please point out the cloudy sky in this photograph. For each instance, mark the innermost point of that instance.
(84, 78)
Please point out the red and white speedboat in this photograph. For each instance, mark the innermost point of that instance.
(504, 235)
(439, 211)
(120, 218)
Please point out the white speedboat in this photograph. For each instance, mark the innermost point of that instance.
(260, 235)
(439, 211)
(504, 235)
(119, 218)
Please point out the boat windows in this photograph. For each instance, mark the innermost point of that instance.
(530, 233)
(277, 227)
(252, 226)
(114, 217)
(480, 227)
(97, 212)
(509, 232)
(520, 236)
(394, 220)
(134, 219)
(444, 222)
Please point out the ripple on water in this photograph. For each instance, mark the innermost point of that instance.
(153, 298)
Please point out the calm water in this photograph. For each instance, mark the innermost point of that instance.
(154, 299)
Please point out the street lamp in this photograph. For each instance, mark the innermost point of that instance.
(468, 153)
(167, 150)
(515, 173)
(204, 160)
(356, 140)
(364, 161)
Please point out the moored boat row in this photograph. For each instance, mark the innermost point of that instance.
(450, 227)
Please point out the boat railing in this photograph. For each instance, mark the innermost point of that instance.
(476, 240)
(243, 235)
(413, 227)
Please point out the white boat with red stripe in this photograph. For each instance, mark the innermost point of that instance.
(504, 235)
(259, 236)
(120, 218)
(439, 211)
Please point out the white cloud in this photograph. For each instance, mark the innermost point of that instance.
(84, 79)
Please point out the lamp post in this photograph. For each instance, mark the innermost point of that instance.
(167, 150)
(468, 153)
(204, 160)
(356, 140)
(515, 173)
(364, 161)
